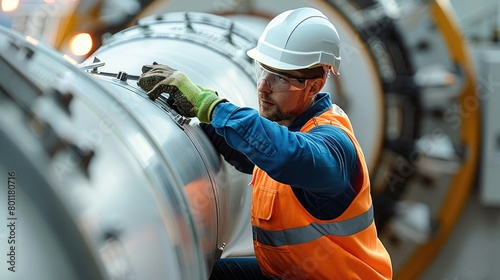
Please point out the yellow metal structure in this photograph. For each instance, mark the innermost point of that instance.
(452, 207)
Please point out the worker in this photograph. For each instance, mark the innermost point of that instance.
(311, 213)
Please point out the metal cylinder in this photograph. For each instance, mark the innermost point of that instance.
(114, 185)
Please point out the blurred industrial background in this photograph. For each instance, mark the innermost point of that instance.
(106, 191)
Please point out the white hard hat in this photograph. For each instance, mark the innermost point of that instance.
(298, 39)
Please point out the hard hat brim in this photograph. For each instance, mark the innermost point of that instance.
(313, 59)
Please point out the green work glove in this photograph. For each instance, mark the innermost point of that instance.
(190, 99)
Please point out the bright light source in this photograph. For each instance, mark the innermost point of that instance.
(9, 5)
(81, 44)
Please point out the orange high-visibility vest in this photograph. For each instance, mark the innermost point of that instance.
(290, 243)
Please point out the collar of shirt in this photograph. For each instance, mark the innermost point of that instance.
(321, 103)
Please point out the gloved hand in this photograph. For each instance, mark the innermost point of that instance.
(190, 100)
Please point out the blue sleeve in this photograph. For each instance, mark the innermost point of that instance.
(321, 160)
(232, 156)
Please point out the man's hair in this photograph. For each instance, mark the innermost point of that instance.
(307, 73)
(313, 73)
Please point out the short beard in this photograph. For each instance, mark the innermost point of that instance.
(280, 116)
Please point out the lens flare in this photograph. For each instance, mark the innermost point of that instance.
(81, 44)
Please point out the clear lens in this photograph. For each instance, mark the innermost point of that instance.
(276, 81)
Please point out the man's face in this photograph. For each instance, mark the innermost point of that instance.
(282, 98)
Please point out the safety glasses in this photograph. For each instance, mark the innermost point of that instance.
(279, 82)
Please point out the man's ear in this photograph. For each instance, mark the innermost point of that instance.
(315, 86)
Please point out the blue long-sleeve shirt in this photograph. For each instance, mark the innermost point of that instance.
(318, 165)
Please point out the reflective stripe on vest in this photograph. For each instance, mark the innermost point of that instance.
(313, 231)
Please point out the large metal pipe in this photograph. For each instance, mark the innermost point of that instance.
(109, 183)
(196, 43)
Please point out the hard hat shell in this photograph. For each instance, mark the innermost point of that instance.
(298, 39)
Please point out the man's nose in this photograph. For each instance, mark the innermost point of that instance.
(264, 86)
